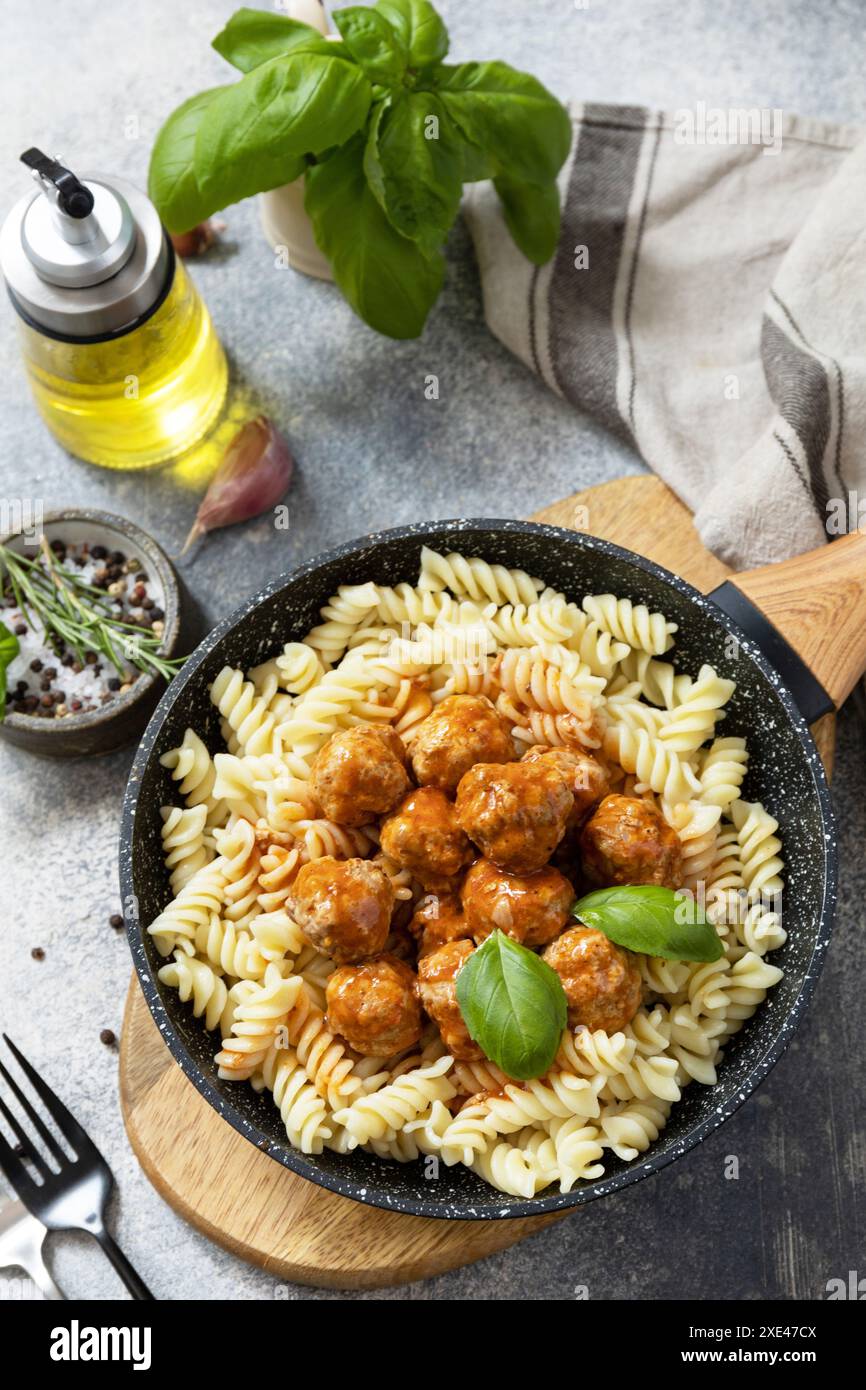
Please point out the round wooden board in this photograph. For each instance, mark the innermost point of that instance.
(253, 1206)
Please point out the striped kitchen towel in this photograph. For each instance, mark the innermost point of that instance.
(707, 303)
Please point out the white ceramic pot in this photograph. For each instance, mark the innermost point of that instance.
(284, 221)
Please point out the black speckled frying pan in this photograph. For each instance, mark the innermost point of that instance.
(774, 690)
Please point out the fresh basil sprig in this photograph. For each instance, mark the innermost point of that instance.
(9, 648)
(397, 130)
(513, 1005)
(654, 921)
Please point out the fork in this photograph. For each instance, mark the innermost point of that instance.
(21, 1237)
(75, 1197)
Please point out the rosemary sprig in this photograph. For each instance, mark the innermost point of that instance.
(75, 614)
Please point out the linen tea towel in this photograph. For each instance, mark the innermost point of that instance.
(707, 303)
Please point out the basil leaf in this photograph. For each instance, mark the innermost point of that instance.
(514, 119)
(171, 180)
(385, 277)
(475, 165)
(513, 1005)
(531, 215)
(654, 921)
(372, 43)
(413, 167)
(9, 649)
(252, 37)
(422, 32)
(257, 132)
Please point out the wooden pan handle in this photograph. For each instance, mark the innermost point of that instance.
(817, 601)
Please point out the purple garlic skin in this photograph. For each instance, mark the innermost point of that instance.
(196, 241)
(254, 473)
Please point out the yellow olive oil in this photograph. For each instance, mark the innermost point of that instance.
(121, 353)
(138, 399)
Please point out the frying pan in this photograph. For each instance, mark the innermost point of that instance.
(819, 600)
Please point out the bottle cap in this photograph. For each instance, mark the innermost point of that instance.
(82, 257)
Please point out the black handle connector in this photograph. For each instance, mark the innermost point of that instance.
(73, 197)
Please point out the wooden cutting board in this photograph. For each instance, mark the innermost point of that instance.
(246, 1201)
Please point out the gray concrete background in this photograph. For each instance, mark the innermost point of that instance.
(372, 451)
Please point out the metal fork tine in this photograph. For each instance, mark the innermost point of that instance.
(68, 1126)
(41, 1128)
(8, 1154)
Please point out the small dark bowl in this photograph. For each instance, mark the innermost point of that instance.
(124, 717)
(785, 773)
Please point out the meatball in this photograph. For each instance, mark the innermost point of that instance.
(360, 773)
(601, 981)
(374, 1006)
(437, 985)
(516, 813)
(532, 908)
(584, 774)
(423, 836)
(343, 906)
(438, 918)
(627, 840)
(461, 731)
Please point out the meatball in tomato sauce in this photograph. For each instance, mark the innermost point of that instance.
(463, 730)
(437, 919)
(343, 907)
(437, 985)
(359, 774)
(515, 813)
(530, 908)
(586, 777)
(627, 840)
(374, 1006)
(423, 836)
(602, 982)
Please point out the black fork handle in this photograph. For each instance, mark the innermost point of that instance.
(133, 1282)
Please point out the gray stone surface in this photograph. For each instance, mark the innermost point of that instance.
(372, 451)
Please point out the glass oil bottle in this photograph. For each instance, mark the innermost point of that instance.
(122, 357)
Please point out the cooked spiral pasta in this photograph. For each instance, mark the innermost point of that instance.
(693, 719)
(301, 1108)
(183, 843)
(383, 1112)
(721, 769)
(199, 899)
(249, 721)
(348, 610)
(631, 623)
(655, 766)
(629, 1127)
(759, 848)
(299, 666)
(590, 675)
(476, 579)
(256, 1025)
(196, 980)
(192, 768)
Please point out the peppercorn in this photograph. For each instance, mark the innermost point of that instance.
(36, 664)
(21, 629)
(115, 920)
(37, 953)
(99, 552)
(107, 1036)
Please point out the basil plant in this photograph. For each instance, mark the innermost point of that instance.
(385, 134)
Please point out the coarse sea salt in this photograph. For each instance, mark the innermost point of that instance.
(88, 687)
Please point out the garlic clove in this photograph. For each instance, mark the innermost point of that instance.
(254, 473)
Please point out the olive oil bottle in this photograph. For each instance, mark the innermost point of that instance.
(120, 350)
